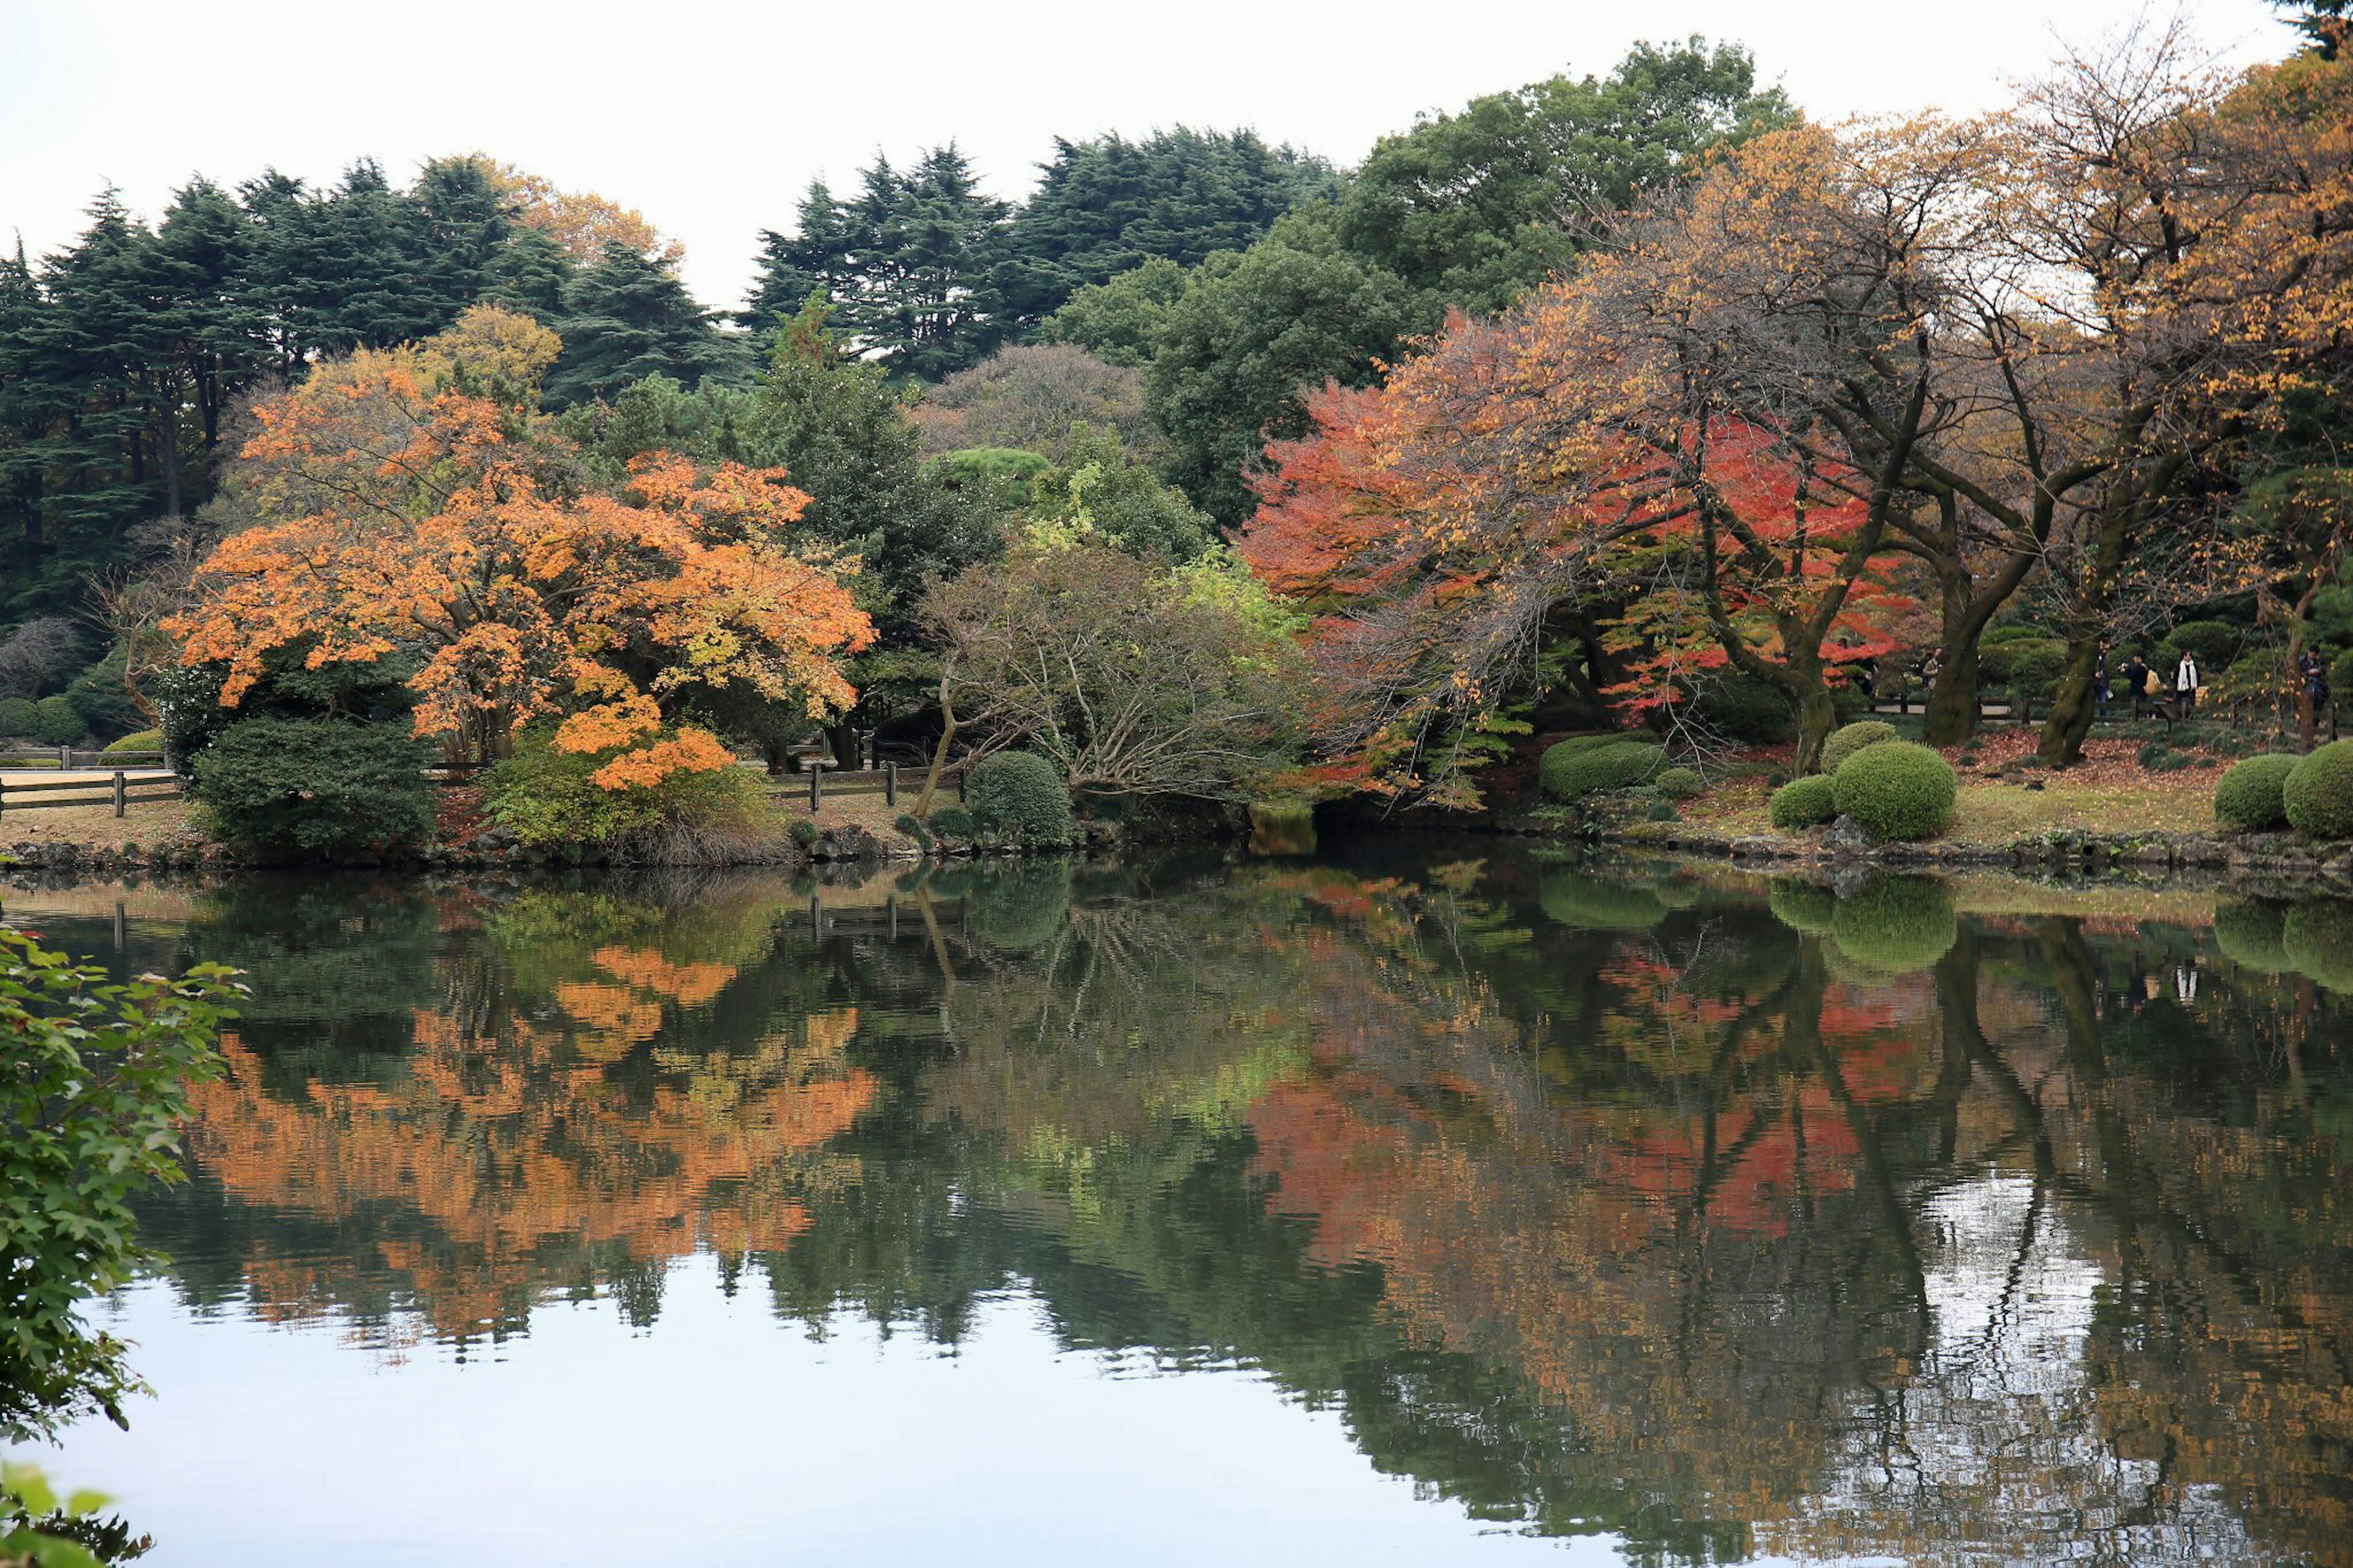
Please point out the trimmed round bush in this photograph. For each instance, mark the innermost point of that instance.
(954, 822)
(1801, 905)
(317, 784)
(1803, 803)
(2318, 939)
(1898, 924)
(138, 741)
(55, 722)
(2248, 798)
(18, 717)
(1680, 783)
(1020, 794)
(2250, 933)
(1897, 789)
(1591, 904)
(2318, 792)
(1847, 741)
(1570, 775)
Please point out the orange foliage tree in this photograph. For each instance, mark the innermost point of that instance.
(409, 502)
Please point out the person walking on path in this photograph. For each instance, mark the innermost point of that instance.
(2136, 680)
(2315, 693)
(2185, 682)
(2100, 684)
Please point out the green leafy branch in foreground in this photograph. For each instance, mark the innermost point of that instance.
(40, 1529)
(94, 1078)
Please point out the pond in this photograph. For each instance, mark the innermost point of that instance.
(1424, 1202)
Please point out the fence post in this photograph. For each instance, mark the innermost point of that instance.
(65, 759)
(815, 788)
(118, 792)
(959, 785)
(890, 783)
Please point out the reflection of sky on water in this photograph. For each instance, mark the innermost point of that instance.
(721, 1435)
(2003, 1404)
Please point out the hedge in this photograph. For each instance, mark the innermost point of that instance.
(1570, 775)
(1021, 795)
(57, 723)
(2318, 792)
(1803, 803)
(1846, 740)
(140, 740)
(18, 717)
(1897, 789)
(2248, 798)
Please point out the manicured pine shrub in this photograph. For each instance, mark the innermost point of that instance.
(1021, 795)
(1846, 740)
(803, 831)
(913, 827)
(138, 741)
(1808, 802)
(2214, 643)
(1896, 925)
(18, 718)
(2317, 794)
(318, 785)
(2248, 798)
(1897, 789)
(1568, 775)
(954, 822)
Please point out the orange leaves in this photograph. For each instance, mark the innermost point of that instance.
(444, 526)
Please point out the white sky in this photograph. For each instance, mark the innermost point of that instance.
(711, 116)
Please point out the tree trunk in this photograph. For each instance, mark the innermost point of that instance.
(1817, 716)
(940, 753)
(1952, 710)
(2072, 708)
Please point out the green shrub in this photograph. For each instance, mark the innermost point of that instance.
(548, 799)
(1570, 775)
(1802, 906)
(138, 741)
(1808, 802)
(2318, 793)
(2318, 939)
(317, 784)
(803, 831)
(1592, 904)
(2340, 678)
(1846, 741)
(18, 716)
(913, 827)
(2008, 632)
(954, 822)
(1897, 789)
(1680, 783)
(2215, 644)
(1020, 794)
(2028, 668)
(1898, 924)
(2247, 799)
(55, 722)
(2249, 934)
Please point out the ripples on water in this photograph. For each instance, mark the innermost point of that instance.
(1416, 1205)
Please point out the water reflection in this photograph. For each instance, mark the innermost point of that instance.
(1946, 1221)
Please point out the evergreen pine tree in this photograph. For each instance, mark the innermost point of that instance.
(627, 317)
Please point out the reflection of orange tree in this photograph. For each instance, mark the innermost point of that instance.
(520, 1149)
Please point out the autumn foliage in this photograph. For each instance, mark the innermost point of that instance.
(405, 508)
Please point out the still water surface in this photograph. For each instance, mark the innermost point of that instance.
(1427, 1205)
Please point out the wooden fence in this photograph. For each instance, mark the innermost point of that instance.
(884, 781)
(120, 789)
(67, 757)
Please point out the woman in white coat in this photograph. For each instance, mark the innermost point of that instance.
(2185, 682)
